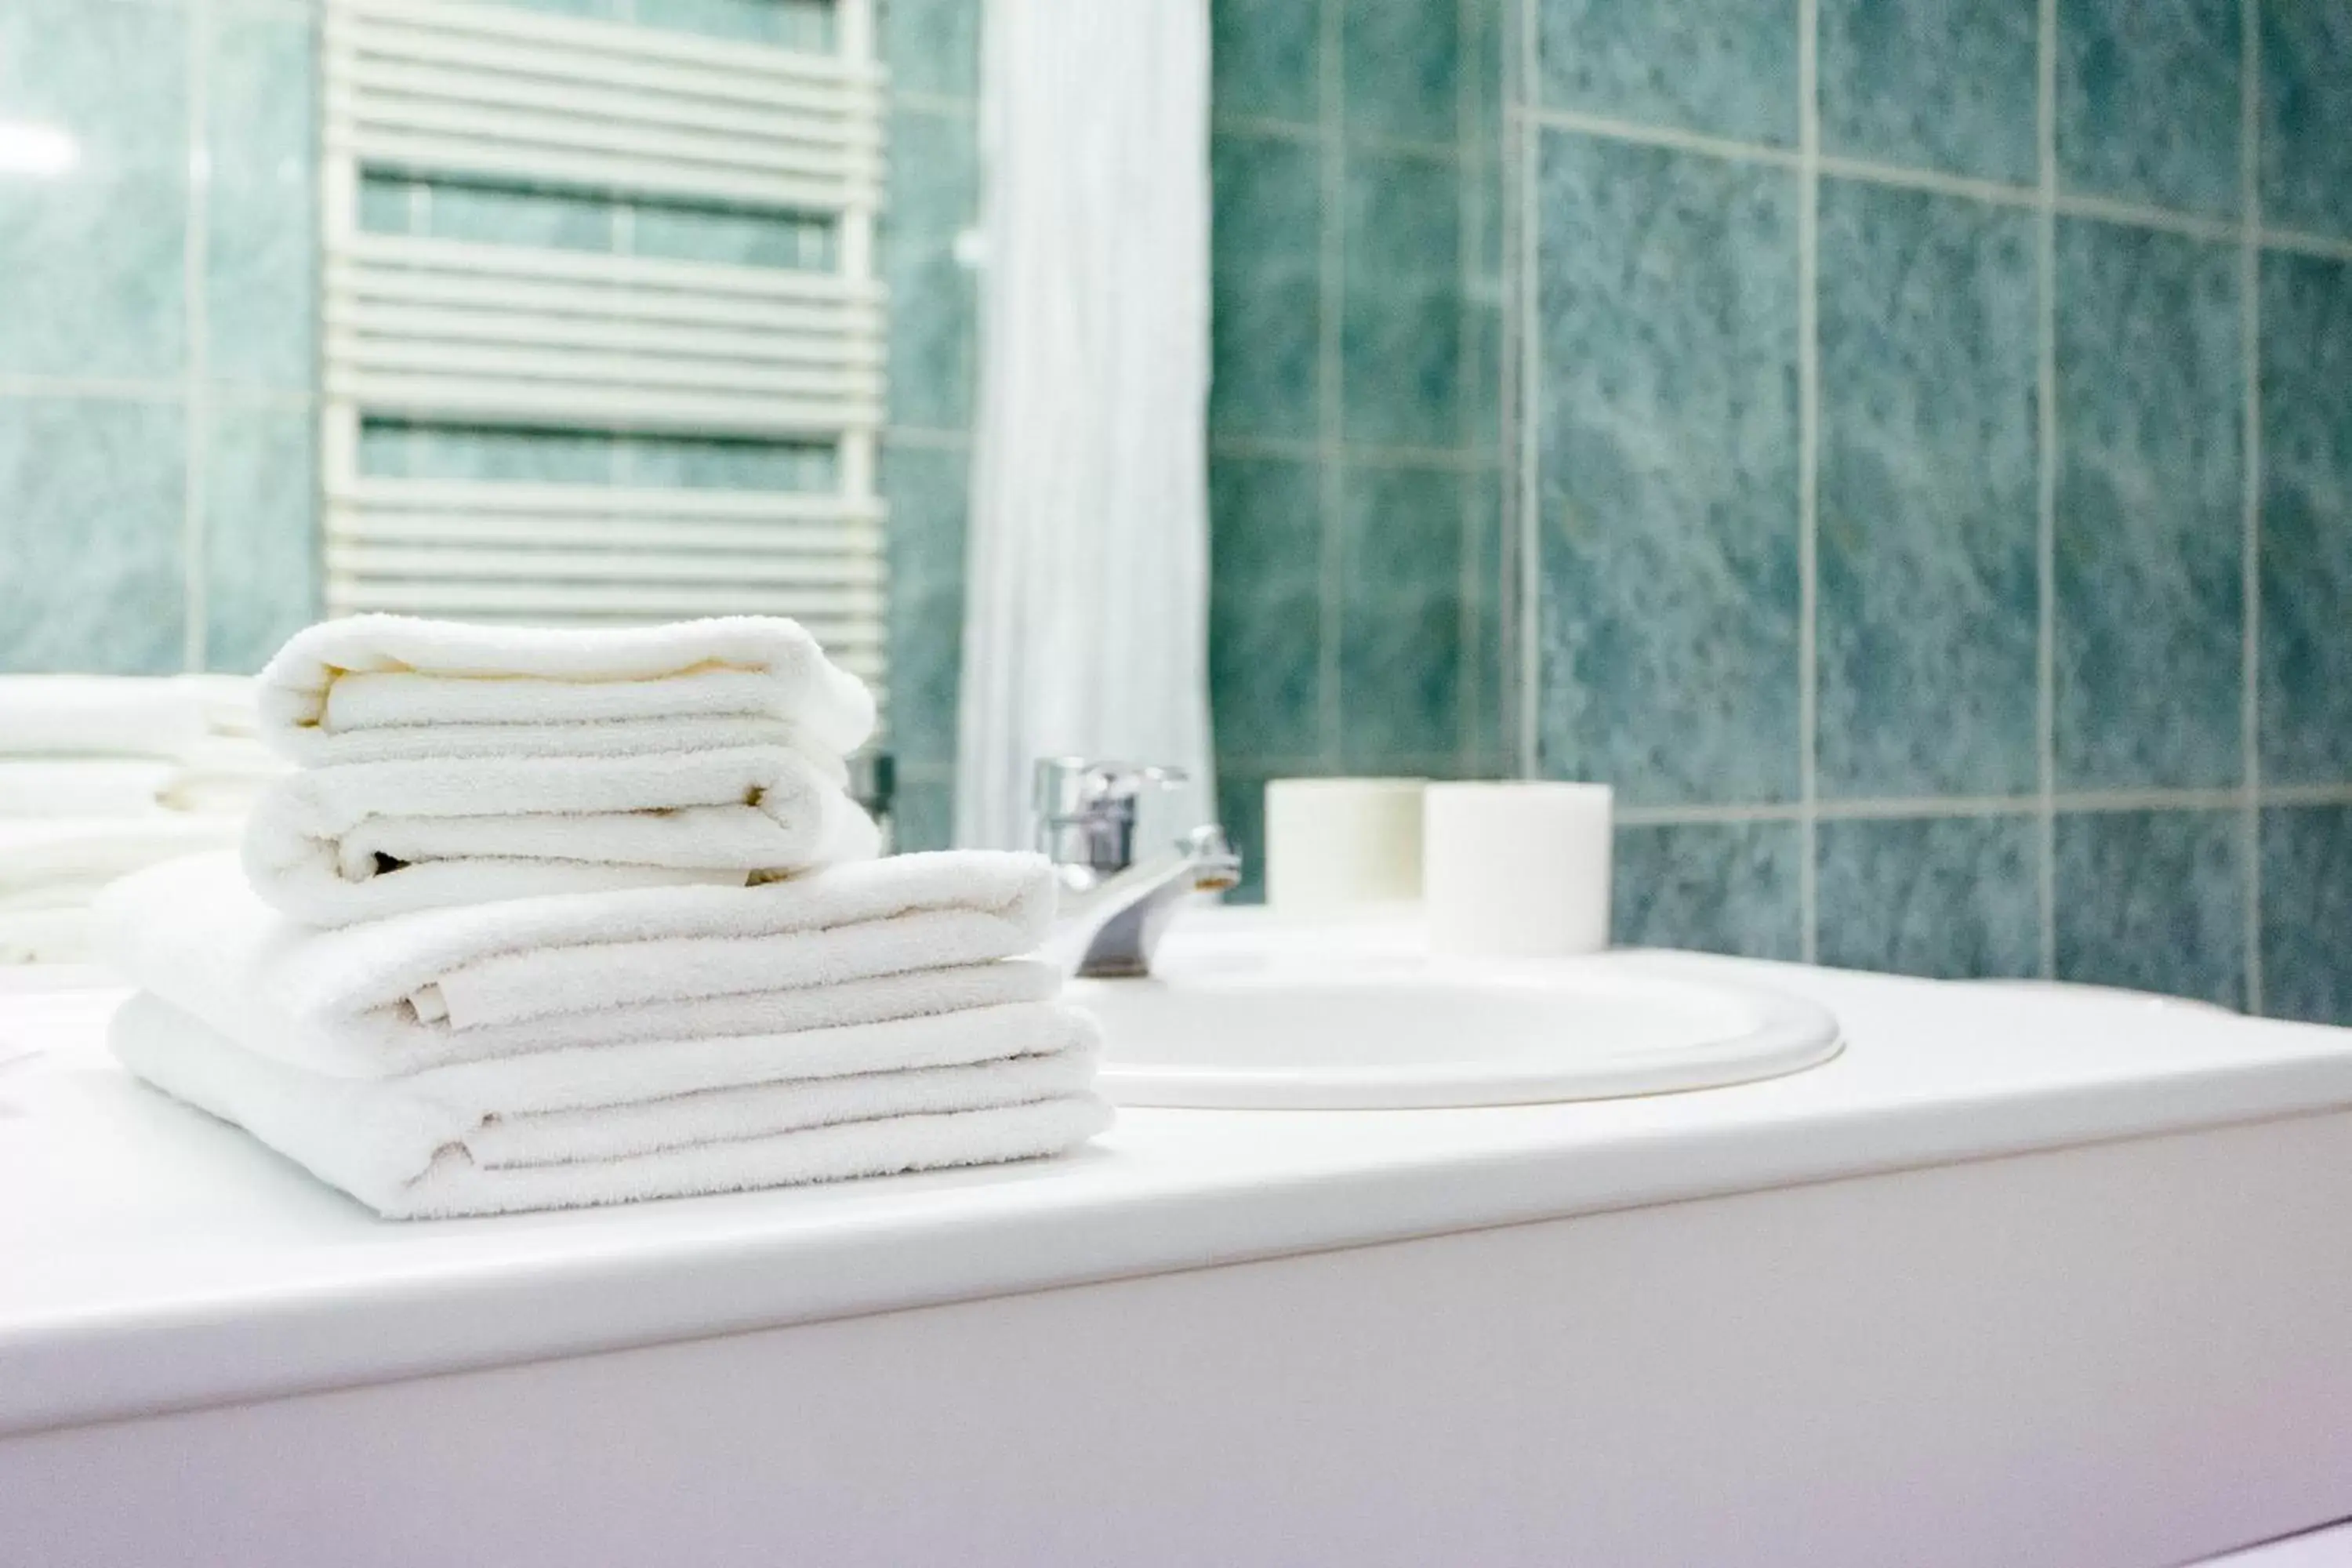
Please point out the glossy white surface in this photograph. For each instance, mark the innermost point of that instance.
(173, 1263)
(1321, 1031)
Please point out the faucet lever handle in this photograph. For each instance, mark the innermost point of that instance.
(1085, 810)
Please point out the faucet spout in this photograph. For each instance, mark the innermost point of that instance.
(1109, 929)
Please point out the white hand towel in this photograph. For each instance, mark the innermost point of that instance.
(612, 965)
(369, 674)
(359, 841)
(408, 1154)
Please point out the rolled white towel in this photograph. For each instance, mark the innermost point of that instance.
(419, 1148)
(459, 983)
(85, 716)
(375, 687)
(359, 841)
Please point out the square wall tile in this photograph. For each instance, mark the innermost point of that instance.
(2151, 517)
(1952, 897)
(1401, 337)
(261, 220)
(2307, 102)
(1265, 607)
(2306, 916)
(922, 816)
(934, 195)
(93, 255)
(261, 533)
(1928, 512)
(1402, 618)
(1693, 65)
(1402, 62)
(2154, 900)
(1932, 84)
(2307, 544)
(1714, 887)
(927, 489)
(1266, 323)
(1668, 422)
(932, 46)
(1241, 811)
(1264, 58)
(2148, 101)
(93, 571)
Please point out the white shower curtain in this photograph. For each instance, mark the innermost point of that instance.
(1086, 620)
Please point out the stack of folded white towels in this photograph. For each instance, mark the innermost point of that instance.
(551, 918)
(102, 774)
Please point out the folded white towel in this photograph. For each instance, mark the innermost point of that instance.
(335, 689)
(448, 985)
(359, 841)
(52, 868)
(416, 1152)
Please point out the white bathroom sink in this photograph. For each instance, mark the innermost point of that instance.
(1308, 1030)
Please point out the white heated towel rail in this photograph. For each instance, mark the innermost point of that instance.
(439, 332)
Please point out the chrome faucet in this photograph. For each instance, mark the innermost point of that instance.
(1114, 911)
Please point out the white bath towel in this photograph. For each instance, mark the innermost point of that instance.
(51, 869)
(334, 683)
(867, 941)
(359, 841)
(409, 1152)
(86, 786)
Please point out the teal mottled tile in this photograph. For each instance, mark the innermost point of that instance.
(1928, 511)
(91, 571)
(922, 816)
(1951, 896)
(934, 308)
(2307, 914)
(1932, 84)
(390, 203)
(2306, 541)
(786, 23)
(2153, 901)
(2307, 102)
(400, 450)
(1402, 62)
(1241, 811)
(932, 46)
(2150, 527)
(1724, 70)
(926, 488)
(508, 215)
(261, 531)
(1265, 277)
(1714, 887)
(1265, 614)
(1667, 473)
(732, 236)
(1400, 328)
(2148, 101)
(688, 463)
(261, 222)
(1266, 59)
(92, 255)
(1402, 618)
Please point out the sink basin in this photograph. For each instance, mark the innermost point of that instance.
(1308, 1031)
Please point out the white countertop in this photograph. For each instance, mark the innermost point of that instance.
(153, 1259)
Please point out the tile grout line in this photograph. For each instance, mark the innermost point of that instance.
(1332, 285)
(2046, 528)
(1469, 621)
(1809, 483)
(1935, 181)
(2250, 458)
(196, 418)
(1529, 542)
